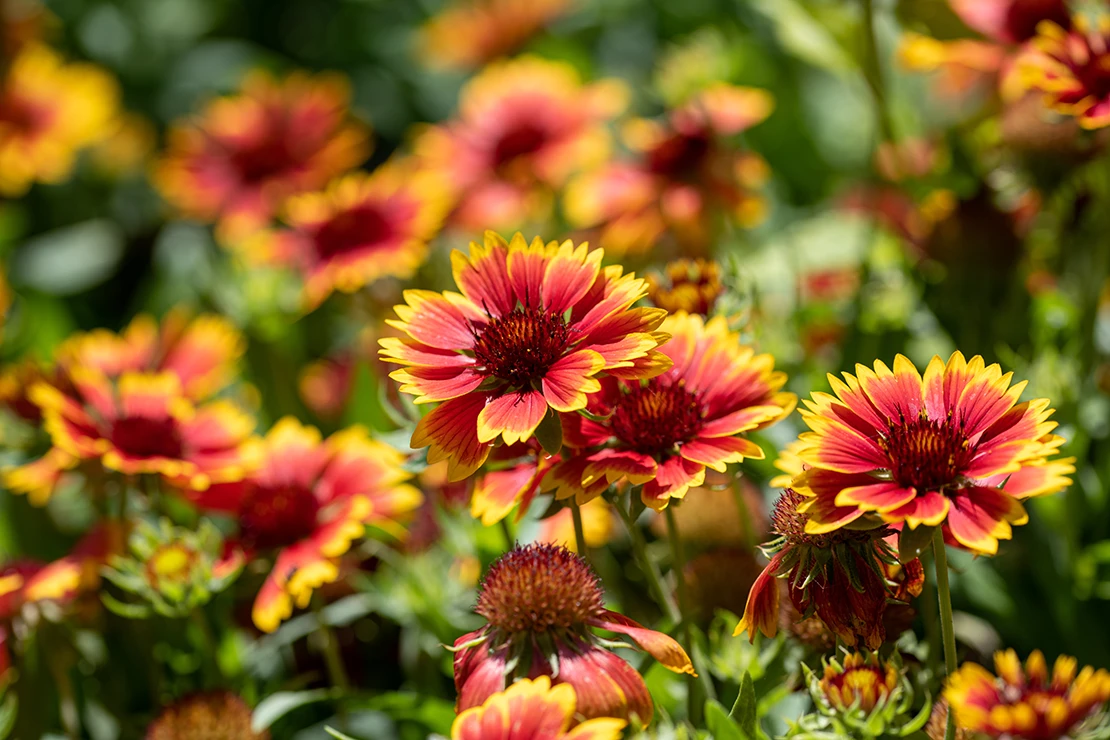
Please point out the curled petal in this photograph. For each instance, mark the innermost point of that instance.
(663, 648)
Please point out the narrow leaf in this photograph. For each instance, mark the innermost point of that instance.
(719, 724)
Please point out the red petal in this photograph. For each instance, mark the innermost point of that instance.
(663, 648)
(716, 453)
(568, 276)
(451, 433)
(512, 416)
(483, 276)
(568, 381)
(761, 613)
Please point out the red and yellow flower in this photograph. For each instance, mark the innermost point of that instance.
(201, 353)
(689, 176)
(309, 500)
(532, 709)
(534, 327)
(863, 682)
(49, 111)
(954, 448)
(846, 578)
(471, 33)
(524, 127)
(1072, 69)
(237, 162)
(541, 603)
(26, 583)
(686, 285)
(664, 433)
(963, 64)
(1027, 703)
(362, 228)
(143, 423)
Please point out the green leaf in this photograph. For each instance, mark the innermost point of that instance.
(337, 734)
(719, 723)
(8, 711)
(276, 706)
(69, 260)
(744, 710)
(912, 542)
(550, 433)
(801, 34)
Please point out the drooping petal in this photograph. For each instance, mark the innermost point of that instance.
(672, 480)
(761, 613)
(928, 509)
(663, 648)
(512, 416)
(451, 433)
(979, 517)
(883, 496)
(718, 452)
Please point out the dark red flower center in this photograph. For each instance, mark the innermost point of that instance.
(925, 454)
(1023, 16)
(269, 156)
(359, 228)
(520, 346)
(143, 437)
(24, 115)
(277, 516)
(540, 587)
(680, 155)
(1092, 68)
(652, 419)
(518, 141)
(787, 521)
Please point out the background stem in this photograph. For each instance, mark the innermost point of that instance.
(944, 594)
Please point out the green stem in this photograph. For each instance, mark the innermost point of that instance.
(579, 531)
(647, 565)
(207, 642)
(329, 647)
(703, 688)
(507, 531)
(944, 594)
(873, 71)
(67, 698)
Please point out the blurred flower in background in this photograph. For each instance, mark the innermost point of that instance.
(360, 229)
(470, 33)
(49, 111)
(523, 127)
(237, 161)
(688, 176)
